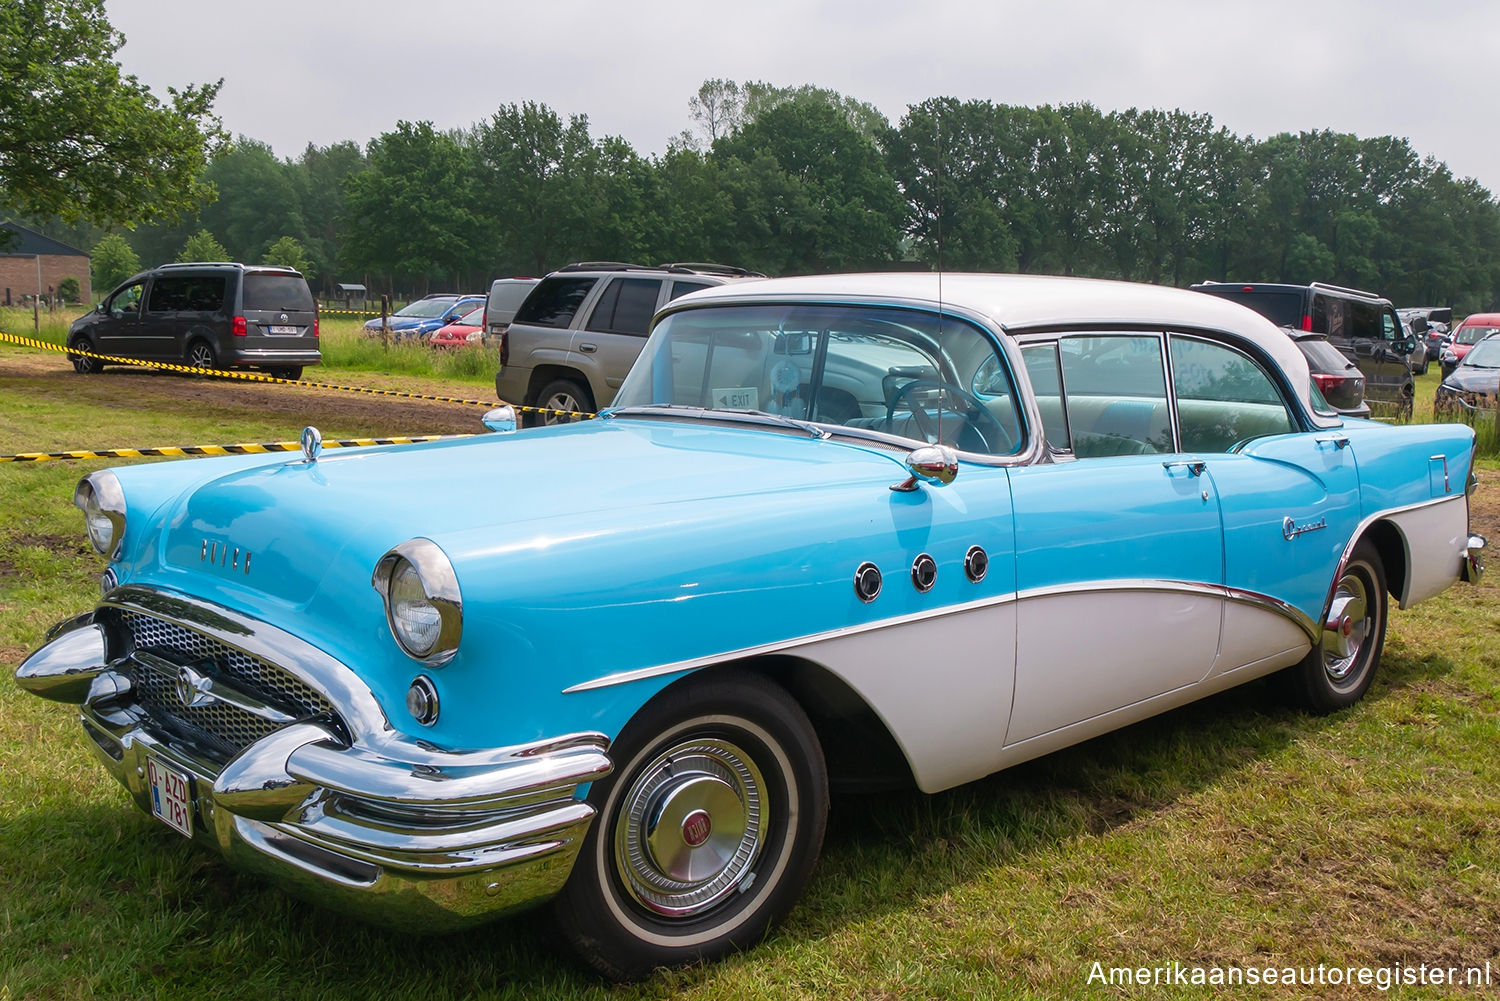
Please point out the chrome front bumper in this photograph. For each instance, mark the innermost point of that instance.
(393, 831)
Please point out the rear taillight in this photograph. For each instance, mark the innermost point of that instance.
(1307, 322)
(241, 329)
(316, 314)
(1326, 381)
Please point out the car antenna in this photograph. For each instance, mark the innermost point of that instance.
(937, 129)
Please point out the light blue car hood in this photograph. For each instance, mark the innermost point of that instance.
(290, 530)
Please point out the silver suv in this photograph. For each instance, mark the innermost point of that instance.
(575, 337)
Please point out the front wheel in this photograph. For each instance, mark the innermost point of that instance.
(1338, 671)
(706, 832)
(82, 364)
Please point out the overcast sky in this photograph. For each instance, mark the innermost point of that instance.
(322, 71)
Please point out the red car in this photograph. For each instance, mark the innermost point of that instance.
(1475, 328)
(467, 329)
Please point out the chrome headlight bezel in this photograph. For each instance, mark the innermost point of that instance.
(102, 501)
(439, 587)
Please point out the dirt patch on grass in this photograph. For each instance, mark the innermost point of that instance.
(366, 415)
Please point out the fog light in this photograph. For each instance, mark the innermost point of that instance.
(422, 700)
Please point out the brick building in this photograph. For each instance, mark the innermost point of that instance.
(18, 265)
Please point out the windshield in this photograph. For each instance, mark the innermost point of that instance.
(1485, 354)
(428, 308)
(898, 371)
(1468, 334)
(473, 318)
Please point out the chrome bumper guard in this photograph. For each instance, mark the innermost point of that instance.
(1473, 566)
(394, 831)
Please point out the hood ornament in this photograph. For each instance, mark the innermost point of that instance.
(312, 443)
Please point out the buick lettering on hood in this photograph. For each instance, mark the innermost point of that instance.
(910, 528)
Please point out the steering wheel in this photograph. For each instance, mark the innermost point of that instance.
(976, 416)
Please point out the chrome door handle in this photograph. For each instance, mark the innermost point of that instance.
(1336, 440)
(1194, 466)
(588, 349)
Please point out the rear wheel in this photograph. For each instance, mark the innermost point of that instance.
(81, 364)
(706, 832)
(562, 395)
(201, 355)
(1338, 671)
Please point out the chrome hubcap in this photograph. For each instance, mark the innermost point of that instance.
(690, 827)
(1346, 630)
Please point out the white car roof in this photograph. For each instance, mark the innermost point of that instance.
(1016, 303)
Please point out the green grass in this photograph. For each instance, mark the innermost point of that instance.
(1234, 831)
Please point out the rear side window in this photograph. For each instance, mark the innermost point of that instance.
(199, 293)
(1331, 317)
(1282, 308)
(626, 307)
(683, 288)
(281, 292)
(555, 301)
(1116, 392)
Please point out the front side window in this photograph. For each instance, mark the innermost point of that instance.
(902, 372)
(127, 301)
(1223, 397)
(1116, 391)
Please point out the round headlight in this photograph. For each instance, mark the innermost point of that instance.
(99, 497)
(422, 603)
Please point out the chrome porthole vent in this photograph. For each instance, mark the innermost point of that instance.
(924, 573)
(867, 582)
(976, 563)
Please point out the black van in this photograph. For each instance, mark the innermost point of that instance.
(1362, 325)
(206, 315)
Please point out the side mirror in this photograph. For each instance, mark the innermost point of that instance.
(501, 420)
(935, 464)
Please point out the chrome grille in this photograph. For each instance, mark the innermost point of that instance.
(221, 726)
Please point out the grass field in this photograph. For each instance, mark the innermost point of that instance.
(1235, 832)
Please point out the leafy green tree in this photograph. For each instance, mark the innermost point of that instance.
(111, 262)
(318, 177)
(69, 289)
(717, 110)
(79, 139)
(411, 213)
(835, 207)
(202, 246)
(257, 202)
(288, 253)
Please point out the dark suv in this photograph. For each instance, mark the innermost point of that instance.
(580, 329)
(209, 315)
(1361, 325)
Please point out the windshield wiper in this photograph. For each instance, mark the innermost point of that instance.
(755, 416)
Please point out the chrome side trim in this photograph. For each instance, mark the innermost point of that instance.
(1266, 602)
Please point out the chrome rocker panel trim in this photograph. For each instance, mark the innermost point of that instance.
(398, 831)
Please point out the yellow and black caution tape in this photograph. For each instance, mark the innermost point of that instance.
(32, 342)
(348, 312)
(242, 449)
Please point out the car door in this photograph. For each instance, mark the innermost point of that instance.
(614, 332)
(1119, 554)
(1288, 499)
(119, 329)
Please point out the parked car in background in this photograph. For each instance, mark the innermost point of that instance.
(1337, 378)
(580, 329)
(1474, 328)
(500, 305)
(1430, 324)
(419, 319)
(206, 315)
(462, 332)
(1034, 510)
(1361, 325)
(1474, 383)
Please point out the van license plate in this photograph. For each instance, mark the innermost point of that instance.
(282, 330)
(169, 797)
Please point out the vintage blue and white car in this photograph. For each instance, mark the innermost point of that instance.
(858, 527)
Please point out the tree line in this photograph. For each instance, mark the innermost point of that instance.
(798, 180)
